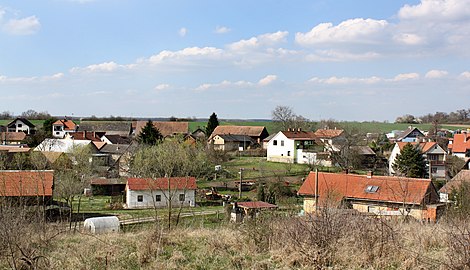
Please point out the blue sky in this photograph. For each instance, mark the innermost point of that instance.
(346, 60)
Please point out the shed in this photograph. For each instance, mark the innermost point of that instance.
(99, 225)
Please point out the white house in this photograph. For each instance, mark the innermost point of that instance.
(433, 154)
(150, 193)
(292, 147)
(62, 127)
(21, 125)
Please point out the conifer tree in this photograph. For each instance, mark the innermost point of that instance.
(212, 124)
(150, 134)
(410, 162)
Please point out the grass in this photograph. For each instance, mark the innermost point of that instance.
(255, 167)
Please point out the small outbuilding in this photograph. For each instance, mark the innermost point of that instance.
(98, 225)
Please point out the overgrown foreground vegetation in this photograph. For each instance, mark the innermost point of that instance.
(332, 240)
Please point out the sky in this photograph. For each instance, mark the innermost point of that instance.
(344, 60)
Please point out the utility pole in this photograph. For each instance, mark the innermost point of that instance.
(240, 185)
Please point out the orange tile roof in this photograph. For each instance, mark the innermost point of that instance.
(176, 183)
(252, 131)
(390, 189)
(26, 183)
(328, 133)
(14, 149)
(300, 135)
(68, 124)
(165, 128)
(461, 143)
(85, 135)
(424, 146)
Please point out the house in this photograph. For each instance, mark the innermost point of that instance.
(330, 138)
(379, 195)
(8, 138)
(150, 193)
(62, 127)
(411, 134)
(29, 187)
(123, 128)
(293, 146)
(257, 133)
(21, 125)
(167, 129)
(433, 154)
(230, 142)
(84, 135)
(459, 146)
(108, 186)
(119, 158)
(454, 184)
(196, 136)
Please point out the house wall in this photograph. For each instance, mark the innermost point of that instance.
(149, 198)
(283, 151)
(20, 127)
(391, 159)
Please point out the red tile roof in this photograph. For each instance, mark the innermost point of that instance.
(300, 135)
(390, 189)
(328, 133)
(176, 183)
(68, 124)
(256, 205)
(165, 128)
(424, 146)
(26, 183)
(85, 135)
(461, 143)
(14, 148)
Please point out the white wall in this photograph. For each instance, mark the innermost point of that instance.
(280, 152)
(149, 198)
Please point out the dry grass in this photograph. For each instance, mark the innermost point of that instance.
(333, 240)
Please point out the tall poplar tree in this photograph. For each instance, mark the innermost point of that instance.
(150, 134)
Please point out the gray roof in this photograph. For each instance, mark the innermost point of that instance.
(236, 138)
(118, 139)
(114, 148)
(110, 127)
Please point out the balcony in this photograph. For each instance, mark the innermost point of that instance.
(437, 162)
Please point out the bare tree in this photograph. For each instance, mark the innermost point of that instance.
(287, 118)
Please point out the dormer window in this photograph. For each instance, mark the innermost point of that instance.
(371, 189)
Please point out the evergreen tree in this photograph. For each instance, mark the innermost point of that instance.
(410, 162)
(212, 124)
(149, 134)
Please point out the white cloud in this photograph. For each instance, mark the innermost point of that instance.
(353, 30)
(183, 31)
(437, 10)
(191, 52)
(268, 39)
(465, 75)
(103, 67)
(47, 78)
(346, 80)
(25, 26)
(406, 76)
(222, 30)
(223, 85)
(340, 55)
(162, 87)
(435, 74)
(267, 80)
(408, 39)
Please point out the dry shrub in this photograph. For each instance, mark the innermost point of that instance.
(457, 231)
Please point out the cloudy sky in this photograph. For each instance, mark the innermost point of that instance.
(346, 60)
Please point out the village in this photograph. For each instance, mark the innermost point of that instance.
(101, 177)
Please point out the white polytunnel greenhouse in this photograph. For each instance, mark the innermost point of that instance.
(99, 225)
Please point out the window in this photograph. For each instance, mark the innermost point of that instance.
(140, 198)
(372, 189)
(282, 143)
(20, 125)
(275, 142)
(158, 198)
(182, 197)
(288, 153)
(433, 170)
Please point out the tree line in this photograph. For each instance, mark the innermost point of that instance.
(461, 116)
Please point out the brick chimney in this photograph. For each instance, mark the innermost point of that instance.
(370, 174)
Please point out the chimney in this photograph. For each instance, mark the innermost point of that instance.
(345, 171)
(299, 129)
(370, 174)
(84, 134)
(288, 129)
